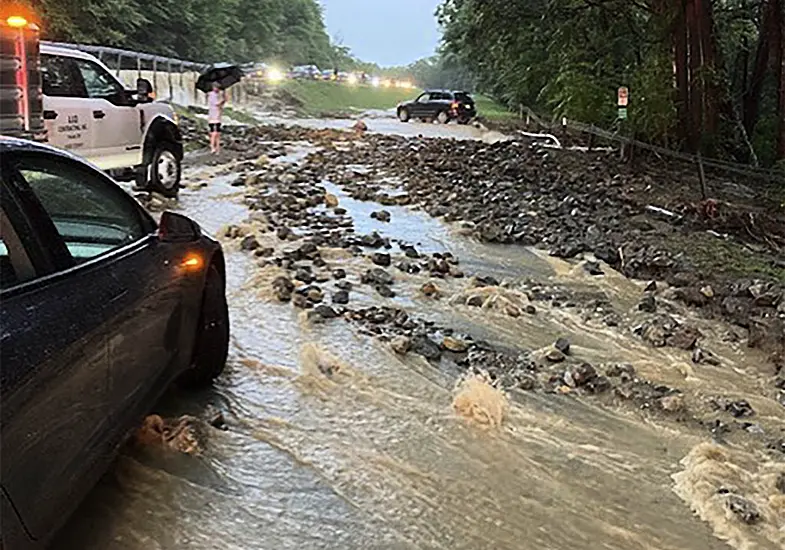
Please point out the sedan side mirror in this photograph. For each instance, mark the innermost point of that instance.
(176, 228)
(144, 89)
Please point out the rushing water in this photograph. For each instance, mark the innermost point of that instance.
(334, 441)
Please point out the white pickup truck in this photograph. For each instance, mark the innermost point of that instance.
(87, 110)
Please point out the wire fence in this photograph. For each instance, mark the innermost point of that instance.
(564, 126)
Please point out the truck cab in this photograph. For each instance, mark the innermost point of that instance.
(71, 100)
(88, 111)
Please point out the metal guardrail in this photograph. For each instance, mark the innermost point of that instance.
(102, 52)
(170, 68)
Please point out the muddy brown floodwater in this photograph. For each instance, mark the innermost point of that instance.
(335, 441)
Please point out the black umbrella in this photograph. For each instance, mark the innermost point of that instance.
(224, 74)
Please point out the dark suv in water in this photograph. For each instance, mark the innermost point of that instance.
(441, 105)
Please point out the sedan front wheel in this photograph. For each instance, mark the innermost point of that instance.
(212, 337)
(403, 114)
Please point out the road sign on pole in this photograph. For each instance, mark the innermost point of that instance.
(624, 96)
(623, 113)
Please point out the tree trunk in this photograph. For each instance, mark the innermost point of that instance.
(695, 84)
(743, 66)
(711, 70)
(779, 67)
(680, 66)
(751, 100)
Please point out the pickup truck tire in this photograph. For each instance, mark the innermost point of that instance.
(403, 114)
(165, 170)
(212, 334)
(443, 117)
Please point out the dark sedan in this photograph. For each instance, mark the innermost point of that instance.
(101, 308)
(440, 105)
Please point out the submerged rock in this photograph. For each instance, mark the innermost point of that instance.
(377, 276)
(672, 403)
(555, 356)
(385, 291)
(401, 345)
(593, 268)
(380, 258)
(382, 216)
(343, 284)
(579, 375)
(315, 294)
(341, 297)
(249, 243)
(283, 288)
(740, 408)
(304, 275)
(454, 344)
(648, 304)
(325, 311)
(746, 510)
(780, 483)
(430, 290)
(563, 345)
(422, 345)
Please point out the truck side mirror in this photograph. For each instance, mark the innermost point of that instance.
(144, 89)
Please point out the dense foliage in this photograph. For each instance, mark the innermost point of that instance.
(438, 71)
(287, 31)
(702, 74)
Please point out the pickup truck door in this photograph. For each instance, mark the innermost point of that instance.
(116, 118)
(67, 114)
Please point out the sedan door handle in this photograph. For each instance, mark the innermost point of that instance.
(99, 114)
(50, 115)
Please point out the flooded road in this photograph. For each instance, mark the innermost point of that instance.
(333, 440)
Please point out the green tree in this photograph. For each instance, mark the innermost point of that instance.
(703, 74)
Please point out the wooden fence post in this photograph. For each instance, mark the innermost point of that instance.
(701, 176)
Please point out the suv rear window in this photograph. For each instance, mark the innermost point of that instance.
(463, 97)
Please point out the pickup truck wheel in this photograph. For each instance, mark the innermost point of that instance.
(403, 114)
(165, 170)
(212, 336)
(443, 117)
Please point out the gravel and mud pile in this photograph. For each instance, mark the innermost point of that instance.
(490, 191)
(724, 257)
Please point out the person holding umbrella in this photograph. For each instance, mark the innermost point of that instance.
(215, 107)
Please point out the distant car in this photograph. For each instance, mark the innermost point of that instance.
(306, 72)
(101, 308)
(440, 105)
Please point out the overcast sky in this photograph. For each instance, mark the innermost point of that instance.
(387, 32)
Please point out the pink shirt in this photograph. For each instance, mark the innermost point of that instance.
(215, 102)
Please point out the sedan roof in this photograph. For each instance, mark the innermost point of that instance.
(10, 144)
